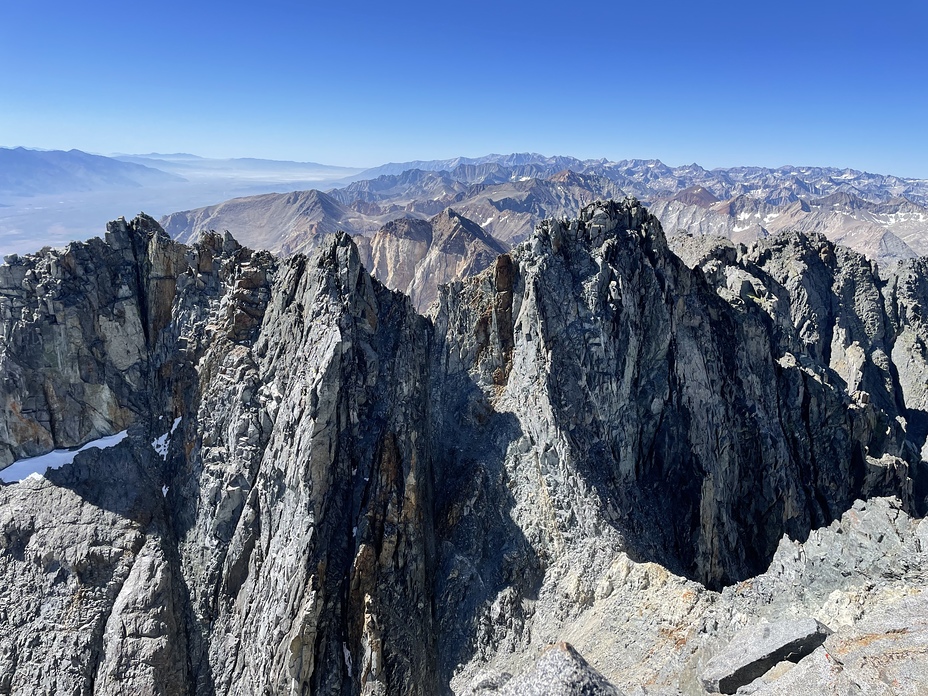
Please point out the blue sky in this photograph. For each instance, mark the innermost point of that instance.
(358, 83)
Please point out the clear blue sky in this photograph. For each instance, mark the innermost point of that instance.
(359, 83)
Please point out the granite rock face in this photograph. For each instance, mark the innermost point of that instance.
(91, 600)
(646, 406)
(324, 492)
(560, 671)
(75, 363)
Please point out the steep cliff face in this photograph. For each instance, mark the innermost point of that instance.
(305, 497)
(906, 297)
(834, 307)
(325, 492)
(94, 600)
(76, 329)
(681, 422)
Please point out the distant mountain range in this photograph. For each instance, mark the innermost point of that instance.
(515, 160)
(241, 168)
(884, 217)
(50, 197)
(647, 179)
(35, 172)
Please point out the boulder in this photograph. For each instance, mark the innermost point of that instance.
(756, 649)
(560, 671)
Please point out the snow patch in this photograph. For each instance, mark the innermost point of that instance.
(164, 491)
(38, 466)
(162, 443)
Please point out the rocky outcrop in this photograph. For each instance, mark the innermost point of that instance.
(754, 650)
(586, 442)
(307, 500)
(77, 327)
(882, 653)
(626, 377)
(92, 598)
(905, 296)
(560, 671)
(860, 320)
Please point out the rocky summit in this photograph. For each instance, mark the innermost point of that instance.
(643, 457)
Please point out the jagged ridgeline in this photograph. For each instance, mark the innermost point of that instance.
(361, 499)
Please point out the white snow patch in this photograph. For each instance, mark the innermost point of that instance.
(38, 466)
(164, 491)
(161, 443)
(488, 221)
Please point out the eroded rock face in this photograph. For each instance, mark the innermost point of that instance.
(660, 413)
(75, 363)
(308, 499)
(417, 256)
(92, 597)
(358, 499)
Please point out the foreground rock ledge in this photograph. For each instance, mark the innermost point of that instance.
(757, 649)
